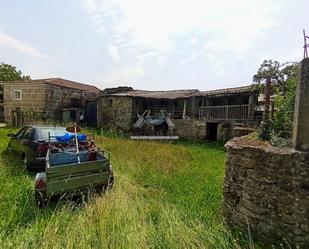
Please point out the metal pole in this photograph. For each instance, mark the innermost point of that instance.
(76, 142)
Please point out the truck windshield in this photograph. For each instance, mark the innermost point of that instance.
(57, 131)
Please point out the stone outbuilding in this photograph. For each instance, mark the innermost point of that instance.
(226, 109)
(119, 111)
(196, 115)
(54, 98)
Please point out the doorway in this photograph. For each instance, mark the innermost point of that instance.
(1, 114)
(211, 131)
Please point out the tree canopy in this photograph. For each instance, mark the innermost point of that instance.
(282, 79)
(10, 73)
(269, 69)
(284, 98)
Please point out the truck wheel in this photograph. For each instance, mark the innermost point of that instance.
(26, 163)
(40, 200)
(9, 148)
(110, 183)
(99, 189)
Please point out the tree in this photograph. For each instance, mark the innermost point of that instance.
(284, 99)
(268, 72)
(10, 73)
(280, 80)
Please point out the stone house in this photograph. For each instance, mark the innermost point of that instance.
(118, 111)
(225, 109)
(54, 98)
(195, 114)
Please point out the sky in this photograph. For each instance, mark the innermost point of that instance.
(151, 44)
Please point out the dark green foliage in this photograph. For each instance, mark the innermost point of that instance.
(268, 69)
(10, 73)
(265, 130)
(285, 99)
(284, 81)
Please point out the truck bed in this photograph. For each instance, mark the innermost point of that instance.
(73, 176)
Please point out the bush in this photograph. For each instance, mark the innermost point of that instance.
(265, 130)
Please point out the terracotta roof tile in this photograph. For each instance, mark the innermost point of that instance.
(229, 91)
(72, 84)
(173, 94)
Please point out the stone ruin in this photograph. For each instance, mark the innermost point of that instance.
(266, 188)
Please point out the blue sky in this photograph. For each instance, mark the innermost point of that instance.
(146, 44)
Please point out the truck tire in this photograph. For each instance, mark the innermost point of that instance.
(25, 162)
(9, 148)
(40, 200)
(110, 183)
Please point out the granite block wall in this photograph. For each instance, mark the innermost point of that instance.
(266, 189)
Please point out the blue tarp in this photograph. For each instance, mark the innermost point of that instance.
(63, 158)
(155, 120)
(67, 137)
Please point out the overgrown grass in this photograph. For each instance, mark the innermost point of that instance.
(165, 196)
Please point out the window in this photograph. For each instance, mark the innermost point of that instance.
(57, 131)
(21, 132)
(28, 133)
(16, 94)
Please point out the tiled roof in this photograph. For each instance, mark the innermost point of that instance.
(177, 94)
(173, 94)
(60, 82)
(229, 91)
(72, 84)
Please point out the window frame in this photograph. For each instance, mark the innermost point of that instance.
(21, 132)
(28, 134)
(13, 94)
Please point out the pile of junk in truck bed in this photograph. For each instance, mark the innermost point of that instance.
(72, 166)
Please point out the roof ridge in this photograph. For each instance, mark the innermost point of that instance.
(58, 78)
(175, 90)
(228, 88)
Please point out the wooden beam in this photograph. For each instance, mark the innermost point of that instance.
(184, 109)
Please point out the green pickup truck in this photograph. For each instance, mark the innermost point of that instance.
(71, 173)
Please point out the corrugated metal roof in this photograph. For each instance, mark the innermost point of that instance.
(173, 94)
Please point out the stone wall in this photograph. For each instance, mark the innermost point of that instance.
(40, 98)
(301, 119)
(190, 128)
(115, 113)
(225, 131)
(32, 99)
(266, 189)
(58, 98)
(239, 131)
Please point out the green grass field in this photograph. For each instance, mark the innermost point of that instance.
(165, 196)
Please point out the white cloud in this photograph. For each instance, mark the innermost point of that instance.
(37, 71)
(114, 52)
(190, 58)
(121, 75)
(193, 41)
(142, 31)
(7, 41)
